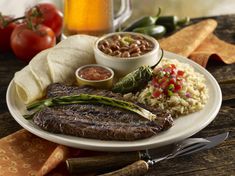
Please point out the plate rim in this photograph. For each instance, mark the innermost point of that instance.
(129, 145)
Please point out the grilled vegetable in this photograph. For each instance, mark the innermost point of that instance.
(92, 99)
(135, 80)
(143, 22)
(156, 31)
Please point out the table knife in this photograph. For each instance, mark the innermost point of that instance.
(140, 168)
(144, 159)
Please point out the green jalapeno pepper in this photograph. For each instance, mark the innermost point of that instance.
(156, 31)
(143, 22)
(183, 21)
(171, 23)
(135, 80)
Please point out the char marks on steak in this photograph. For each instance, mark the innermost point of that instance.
(98, 121)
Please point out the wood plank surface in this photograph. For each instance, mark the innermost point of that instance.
(218, 161)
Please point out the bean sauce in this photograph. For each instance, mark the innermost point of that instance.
(94, 73)
(125, 45)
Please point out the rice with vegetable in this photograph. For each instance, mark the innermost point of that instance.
(175, 87)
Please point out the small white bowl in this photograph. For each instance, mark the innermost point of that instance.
(103, 84)
(123, 66)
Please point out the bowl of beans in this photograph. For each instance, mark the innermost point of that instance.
(95, 75)
(126, 51)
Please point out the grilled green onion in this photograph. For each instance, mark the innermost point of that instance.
(91, 99)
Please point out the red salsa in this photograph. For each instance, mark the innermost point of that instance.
(95, 73)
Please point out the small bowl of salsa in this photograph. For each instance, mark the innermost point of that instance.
(95, 75)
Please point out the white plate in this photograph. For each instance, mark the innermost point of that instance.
(183, 127)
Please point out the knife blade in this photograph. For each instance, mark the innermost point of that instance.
(113, 161)
(214, 141)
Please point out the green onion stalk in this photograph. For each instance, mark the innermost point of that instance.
(90, 99)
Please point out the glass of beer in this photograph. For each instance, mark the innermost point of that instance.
(93, 17)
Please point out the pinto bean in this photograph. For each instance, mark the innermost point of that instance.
(135, 54)
(117, 53)
(134, 50)
(114, 47)
(105, 43)
(142, 48)
(124, 48)
(117, 37)
(147, 44)
(126, 54)
(137, 42)
(138, 37)
(101, 47)
(118, 43)
(133, 45)
(108, 51)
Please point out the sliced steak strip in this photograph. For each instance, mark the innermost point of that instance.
(97, 121)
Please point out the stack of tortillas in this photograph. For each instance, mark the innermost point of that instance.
(57, 64)
(198, 42)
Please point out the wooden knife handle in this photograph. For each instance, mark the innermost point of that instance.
(138, 168)
(101, 163)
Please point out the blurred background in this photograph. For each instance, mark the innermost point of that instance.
(181, 8)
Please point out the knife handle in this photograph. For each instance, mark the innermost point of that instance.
(138, 168)
(102, 163)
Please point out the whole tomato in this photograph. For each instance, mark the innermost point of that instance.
(6, 29)
(27, 42)
(48, 15)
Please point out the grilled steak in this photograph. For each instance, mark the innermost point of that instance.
(97, 121)
(57, 90)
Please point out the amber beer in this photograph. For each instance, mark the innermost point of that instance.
(93, 17)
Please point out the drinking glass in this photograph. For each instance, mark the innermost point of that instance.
(93, 17)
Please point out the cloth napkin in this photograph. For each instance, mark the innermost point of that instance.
(24, 154)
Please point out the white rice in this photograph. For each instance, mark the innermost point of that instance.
(177, 104)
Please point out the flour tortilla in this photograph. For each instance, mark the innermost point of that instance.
(40, 69)
(27, 86)
(185, 41)
(213, 47)
(68, 55)
(53, 65)
(63, 63)
(79, 42)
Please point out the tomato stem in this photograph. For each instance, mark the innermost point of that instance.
(3, 21)
(36, 12)
(31, 25)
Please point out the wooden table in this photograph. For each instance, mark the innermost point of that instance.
(217, 161)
